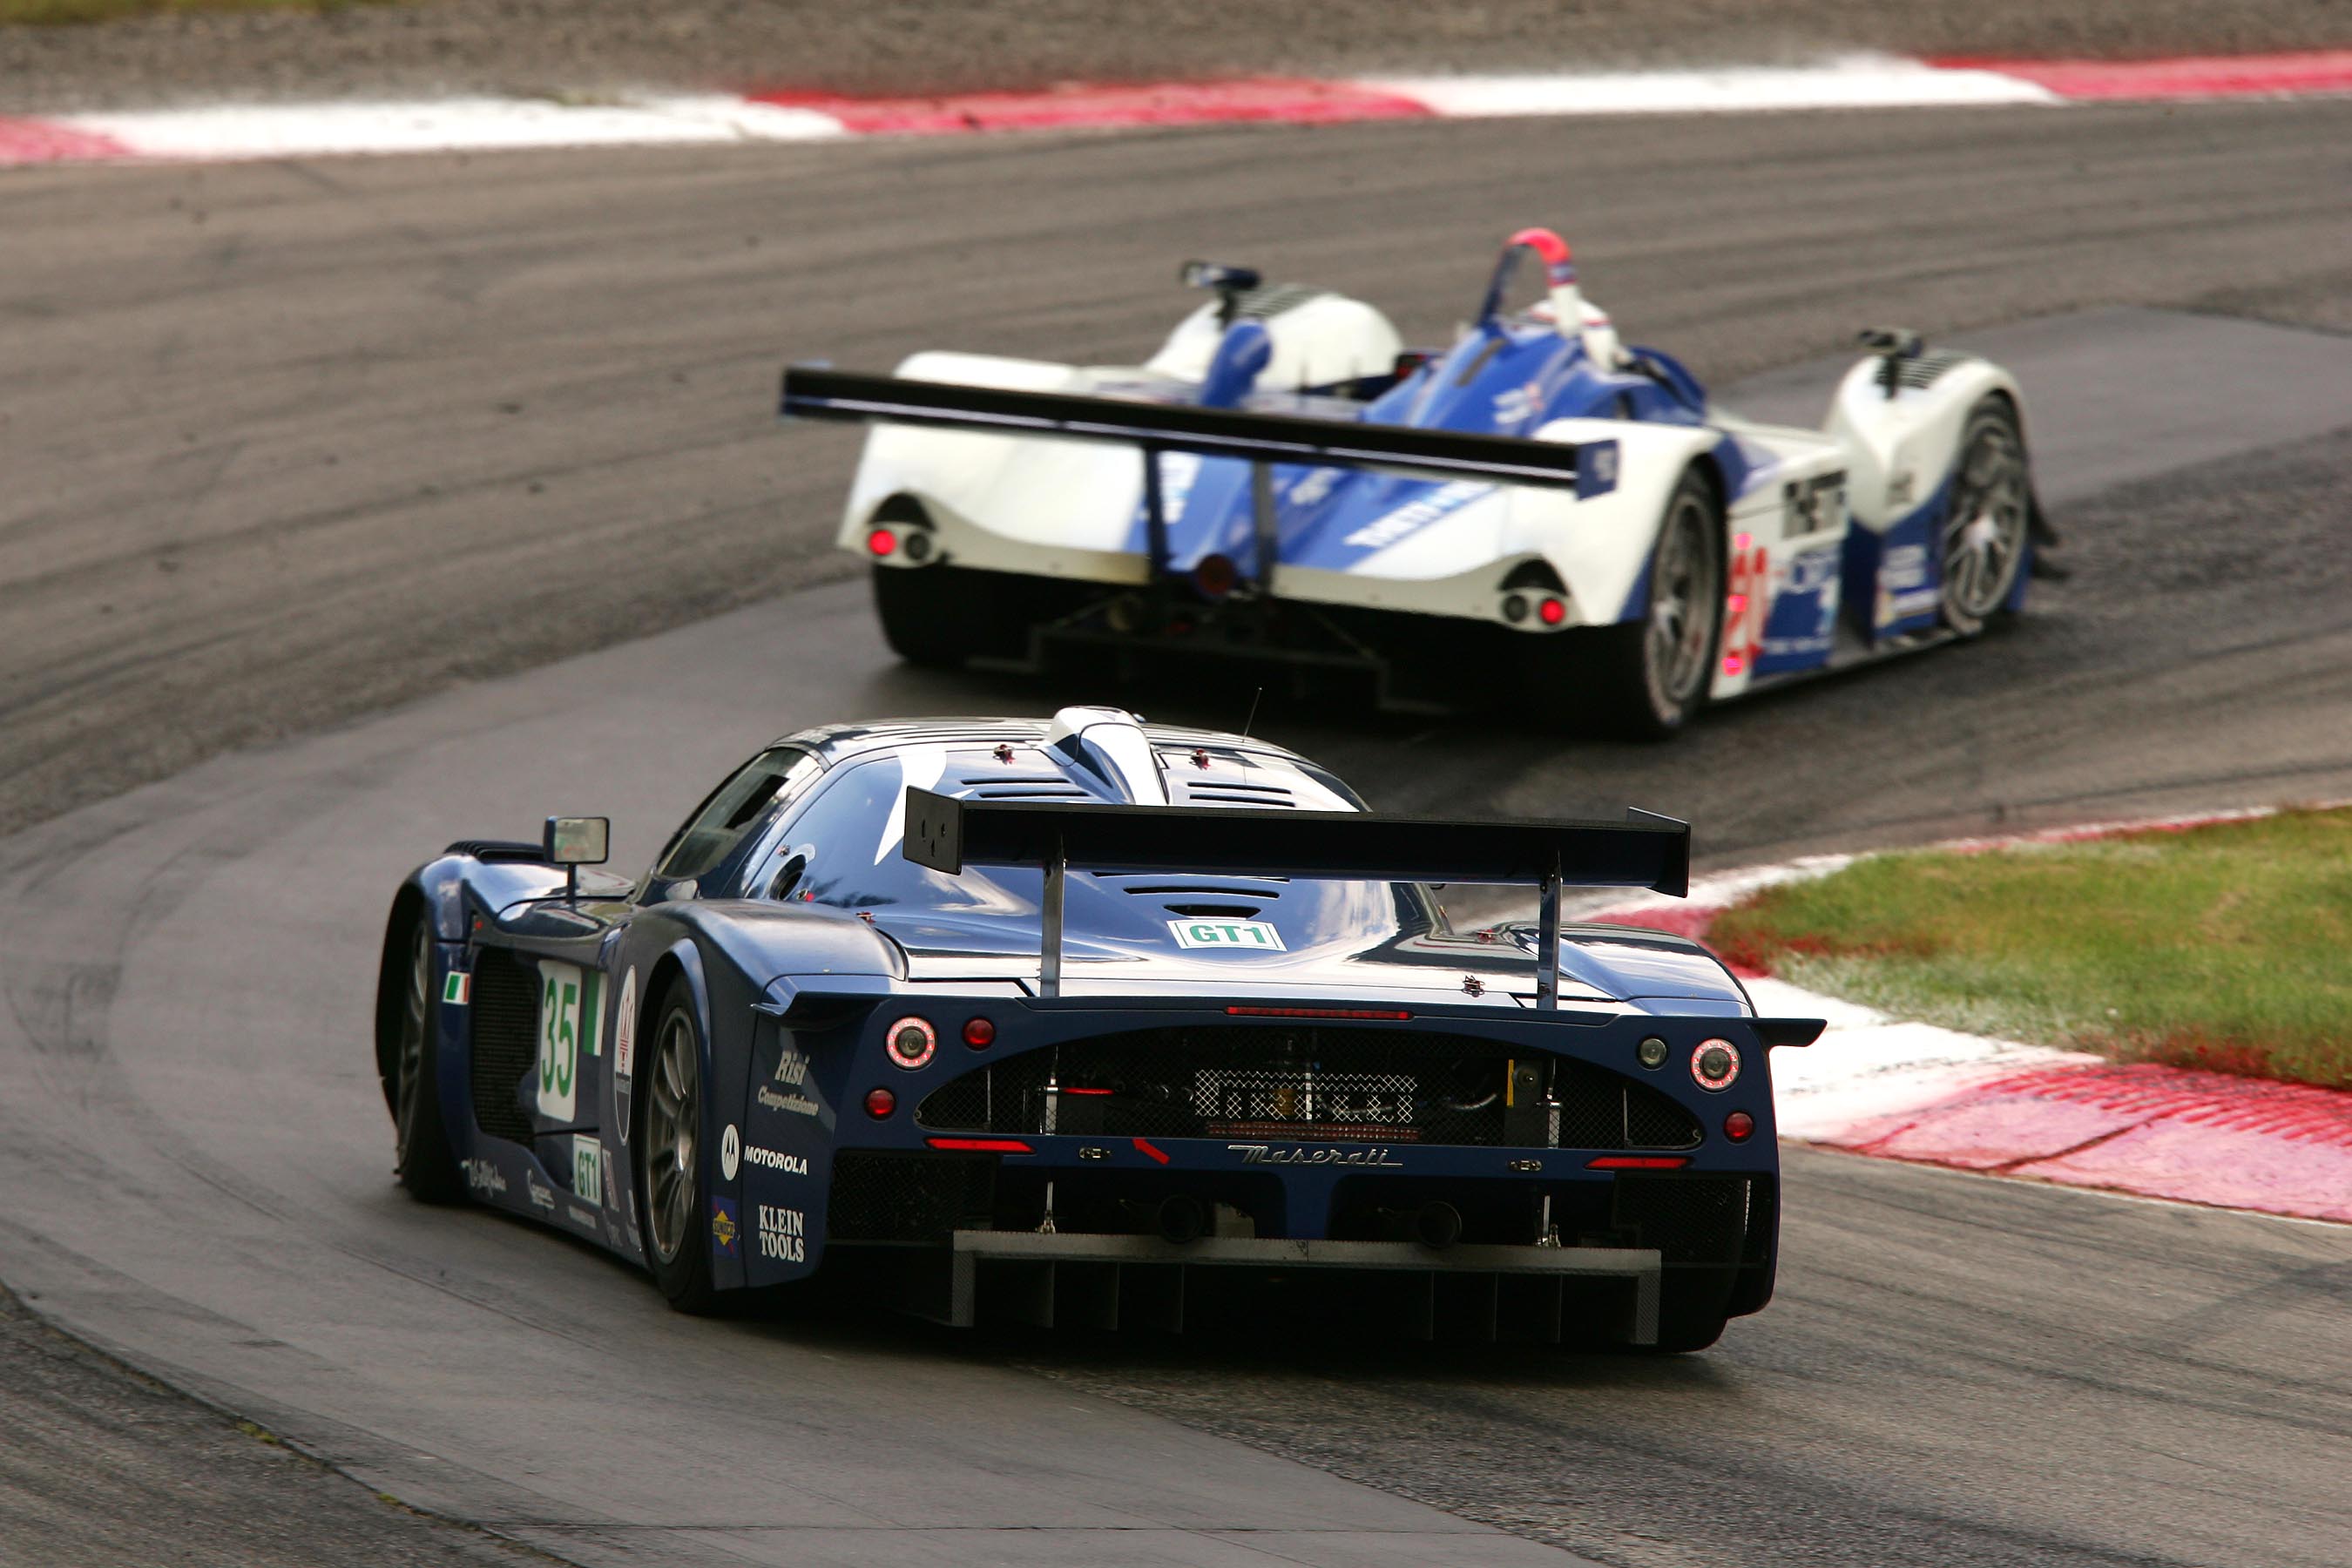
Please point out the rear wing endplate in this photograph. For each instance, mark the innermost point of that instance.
(1262, 440)
(1646, 850)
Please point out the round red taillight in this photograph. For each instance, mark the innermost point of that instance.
(1552, 612)
(1215, 577)
(881, 542)
(1737, 1126)
(1714, 1064)
(910, 1042)
(979, 1033)
(880, 1102)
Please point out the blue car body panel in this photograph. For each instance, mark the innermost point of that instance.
(803, 946)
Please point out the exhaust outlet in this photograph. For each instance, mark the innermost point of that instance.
(1183, 1219)
(1437, 1225)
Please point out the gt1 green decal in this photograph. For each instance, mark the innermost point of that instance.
(1255, 934)
(587, 1169)
(571, 1020)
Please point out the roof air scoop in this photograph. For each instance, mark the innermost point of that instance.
(1111, 745)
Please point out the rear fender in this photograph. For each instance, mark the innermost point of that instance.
(1056, 508)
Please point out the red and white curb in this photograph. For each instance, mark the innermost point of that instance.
(1881, 1086)
(488, 124)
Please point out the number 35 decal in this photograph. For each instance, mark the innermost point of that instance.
(571, 1021)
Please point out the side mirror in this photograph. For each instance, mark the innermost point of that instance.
(578, 840)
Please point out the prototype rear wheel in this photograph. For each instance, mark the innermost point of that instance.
(1650, 676)
(926, 612)
(1984, 543)
(426, 1164)
(673, 1193)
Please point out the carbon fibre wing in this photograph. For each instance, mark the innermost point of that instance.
(943, 833)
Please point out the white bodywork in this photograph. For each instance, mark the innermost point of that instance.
(1068, 509)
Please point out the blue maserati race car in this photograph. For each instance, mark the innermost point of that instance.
(1573, 517)
(1086, 1022)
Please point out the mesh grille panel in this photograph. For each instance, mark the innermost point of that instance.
(1689, 1219)
(907, 1197)
(1396, 1086)
(504, 1018)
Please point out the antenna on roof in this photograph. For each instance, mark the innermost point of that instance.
(1253, 714)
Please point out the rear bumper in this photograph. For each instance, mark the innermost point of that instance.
(1133, 1281)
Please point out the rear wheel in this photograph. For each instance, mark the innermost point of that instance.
(422, 1154)
(926, 615)
(1984, 536)
(1646, 678)
(1692, 1312)
(672, 1190)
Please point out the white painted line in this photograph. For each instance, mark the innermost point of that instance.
(1871, 81)
(443, 125)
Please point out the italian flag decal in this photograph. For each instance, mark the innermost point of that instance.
(459, 989)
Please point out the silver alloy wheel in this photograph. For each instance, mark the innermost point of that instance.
(1685, 592)
(416, 1017)
(673, 1121)
(1984, 533)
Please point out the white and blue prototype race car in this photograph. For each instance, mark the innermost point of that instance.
(1573, 515)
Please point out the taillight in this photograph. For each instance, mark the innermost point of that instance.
(1215, 577)
(911, 1042)
(1737, 1126)
(1638, 1162)
(1714, 1064)
(881, 542)
(979, 1033)
(880, 1102)
(981, 1145)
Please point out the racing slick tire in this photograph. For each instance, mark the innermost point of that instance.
(1644, 679)
(667, 1161)
(928, 613)
(1692, 1312)
(422, 1155)
(1983, 541)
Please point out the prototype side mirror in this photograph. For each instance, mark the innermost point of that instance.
(573, 842)
(578, 840)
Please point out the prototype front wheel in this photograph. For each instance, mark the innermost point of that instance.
(672, 1192)
(1984, 536)
(426, 1164)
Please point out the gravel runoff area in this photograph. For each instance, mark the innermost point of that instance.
(916, 46)
(103, 1464)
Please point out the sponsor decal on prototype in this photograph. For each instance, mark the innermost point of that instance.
(587, 1167)
(543, 1196)
(1256, 934)
(624, 1051)
(482, 1176)
(730, 1150)
(457, 989)
(792, 1071)
(776, 1160)
(724, 1226)
(783, 1234)
(580, 1216)
(571, 1020)
(1303, 1154)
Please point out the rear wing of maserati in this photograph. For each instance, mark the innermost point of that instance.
(1646, 850)
(1260, 440)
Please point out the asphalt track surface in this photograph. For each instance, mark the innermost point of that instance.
(1960, 1371)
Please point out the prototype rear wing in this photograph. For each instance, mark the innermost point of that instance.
(1262, 440)
(1646, 850)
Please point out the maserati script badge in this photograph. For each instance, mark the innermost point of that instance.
(1298, 1154)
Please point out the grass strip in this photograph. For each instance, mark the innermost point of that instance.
(2226, 947)
(64, 12)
